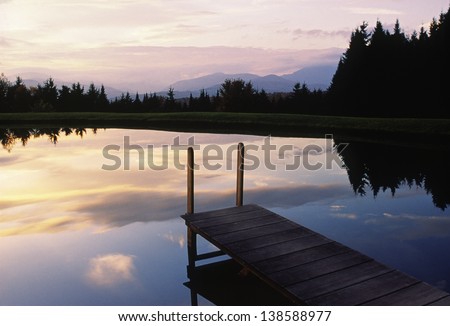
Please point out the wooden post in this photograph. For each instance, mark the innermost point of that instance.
(191, 235)
(240, 175)
(190, 181)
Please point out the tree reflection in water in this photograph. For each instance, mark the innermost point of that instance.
(10, 137)
(374, 167)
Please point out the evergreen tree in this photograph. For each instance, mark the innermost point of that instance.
(46, 96)
(64, 100)
(137, 103)
(103, 101)
(170, 103)
(348, 86)
(19, 96)
(92, 98)
(236, 96)
(384, 74)
(77, 102)
(4, 86)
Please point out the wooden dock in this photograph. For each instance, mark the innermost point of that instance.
(304, 266)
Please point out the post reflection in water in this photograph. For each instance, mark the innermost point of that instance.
(74, 234)
(223, 284)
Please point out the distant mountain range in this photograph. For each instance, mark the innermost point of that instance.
(317, 77)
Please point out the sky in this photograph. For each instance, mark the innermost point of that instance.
(148, 45)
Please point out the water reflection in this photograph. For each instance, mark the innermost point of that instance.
(110, 270)
(75, 234)
(371, 167)
(234, 289)
(10, 137)
(380, 167)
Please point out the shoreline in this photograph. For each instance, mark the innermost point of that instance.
(432, 132)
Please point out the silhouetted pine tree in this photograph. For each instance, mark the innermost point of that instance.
(348, 89)
(4, 86)
(103, 102)
(388, 74)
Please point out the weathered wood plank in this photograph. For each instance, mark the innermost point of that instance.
(318, 268)
(365, 291)
(283, 248)
(267, 240)
(241, 216)
(441, 302)
(337, 280)
(220, 212)
(300, 257)
(419, 294)
(255, 232)
(240, 225)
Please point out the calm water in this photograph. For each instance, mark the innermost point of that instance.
(72, 233)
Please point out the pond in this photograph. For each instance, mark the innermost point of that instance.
(91, 217)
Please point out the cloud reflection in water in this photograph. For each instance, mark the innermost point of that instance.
(111, 270)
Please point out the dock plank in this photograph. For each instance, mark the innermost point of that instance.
(419, 294)
(220, 212)
(283, 248)
(240, 225)
(360, 293)
(317, 268)
(337, 280)
(255, 232)
(441, 302)
(269, 239)
(238, 217)
(305, 266)
(300, 257)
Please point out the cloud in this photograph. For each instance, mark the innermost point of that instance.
(319, 33)
(147, 46)
(8, 160)
(46, 225)
(423, 226)
(115, 209)
(119, 209)
(154, 68)
(111, 270)
(337, 207)
(204, 13)
(180, 240)
(4, 42)
(294, 195)
(11, 43)
(374, 11)
(350, 216)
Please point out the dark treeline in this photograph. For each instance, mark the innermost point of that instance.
(387, 74)
(382, 73)
(234, 96)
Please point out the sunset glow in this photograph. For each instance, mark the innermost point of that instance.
(147, 45)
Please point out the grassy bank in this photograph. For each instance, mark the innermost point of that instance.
(374, 129)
